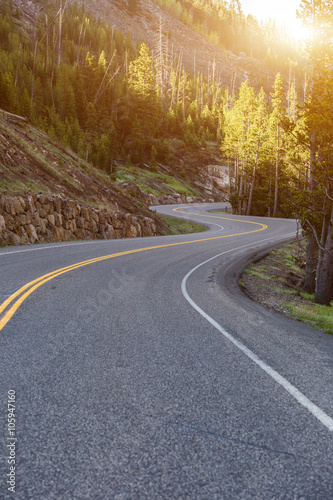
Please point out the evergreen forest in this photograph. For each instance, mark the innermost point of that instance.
(91, 88)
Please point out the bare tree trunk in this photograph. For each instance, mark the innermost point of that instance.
(107, 78)
(184, 84)
(236, 179)
(294, 108)
(46, 60)
(240, 192)
(61, 12)
(325, 269)
(253, 176)
(79, 45)
(213, 78)
(312, 247)
(311, 264)
(160, 60)
(194, 75)
(178, 77)
(33, 76)
(276, 193)
(208, 83)
(270, 189)
(18, 63)
(289, 87)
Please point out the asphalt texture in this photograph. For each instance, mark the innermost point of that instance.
(151, 376)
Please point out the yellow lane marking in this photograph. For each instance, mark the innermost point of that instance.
(179, 209)
(33, 285)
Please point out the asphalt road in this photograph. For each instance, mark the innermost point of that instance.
(147, 374)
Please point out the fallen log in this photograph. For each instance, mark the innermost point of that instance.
(11, 116)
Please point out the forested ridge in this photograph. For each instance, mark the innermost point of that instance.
(224, 24)
(89, 87)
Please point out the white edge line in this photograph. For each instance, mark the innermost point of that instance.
(57, 244)
(325, 419)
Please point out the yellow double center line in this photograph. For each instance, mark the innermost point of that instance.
(8, 310)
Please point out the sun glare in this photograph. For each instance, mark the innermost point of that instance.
(298, 31)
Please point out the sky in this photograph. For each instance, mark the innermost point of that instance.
(283, 11)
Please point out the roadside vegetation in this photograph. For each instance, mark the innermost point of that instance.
(155, 181)
(277, 280)
(180, 226)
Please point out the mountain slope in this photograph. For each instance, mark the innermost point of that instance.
(195, 51)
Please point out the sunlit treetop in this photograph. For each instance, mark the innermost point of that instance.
(317, 17)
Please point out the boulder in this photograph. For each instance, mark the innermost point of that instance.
(43, 225)
(10, 221)
(51, 219)
(31, 232)
(45, 210)
(131, 231)
(59, 233)
(109, 232)
(58, 219)
(2, 224)
(30, 204)
(42, 199)
(13, 238)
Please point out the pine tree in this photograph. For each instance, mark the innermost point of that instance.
(8, 96)
(143, 88)
(258, 132)
(25, 104)
(237, 143)
(318, 15)
(277, 118)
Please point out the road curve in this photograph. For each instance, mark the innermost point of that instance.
(141, 371)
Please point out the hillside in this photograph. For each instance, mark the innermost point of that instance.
(195, 51)
(32, 162)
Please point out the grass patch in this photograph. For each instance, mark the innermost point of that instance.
(315, 315)
(227, 210)
(16, 186)
(180, 187)
(255, 270)
(242, 283)
(308, 296)
(292, 266)
(153, 182)
(35, 154)
(180, 226)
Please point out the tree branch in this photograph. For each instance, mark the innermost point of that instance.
(102, 88)
(328, 196)
(315, 235)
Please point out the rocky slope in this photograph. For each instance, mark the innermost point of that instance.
(31, 163)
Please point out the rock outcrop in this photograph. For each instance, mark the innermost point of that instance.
(217, 181)
(41, 218)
